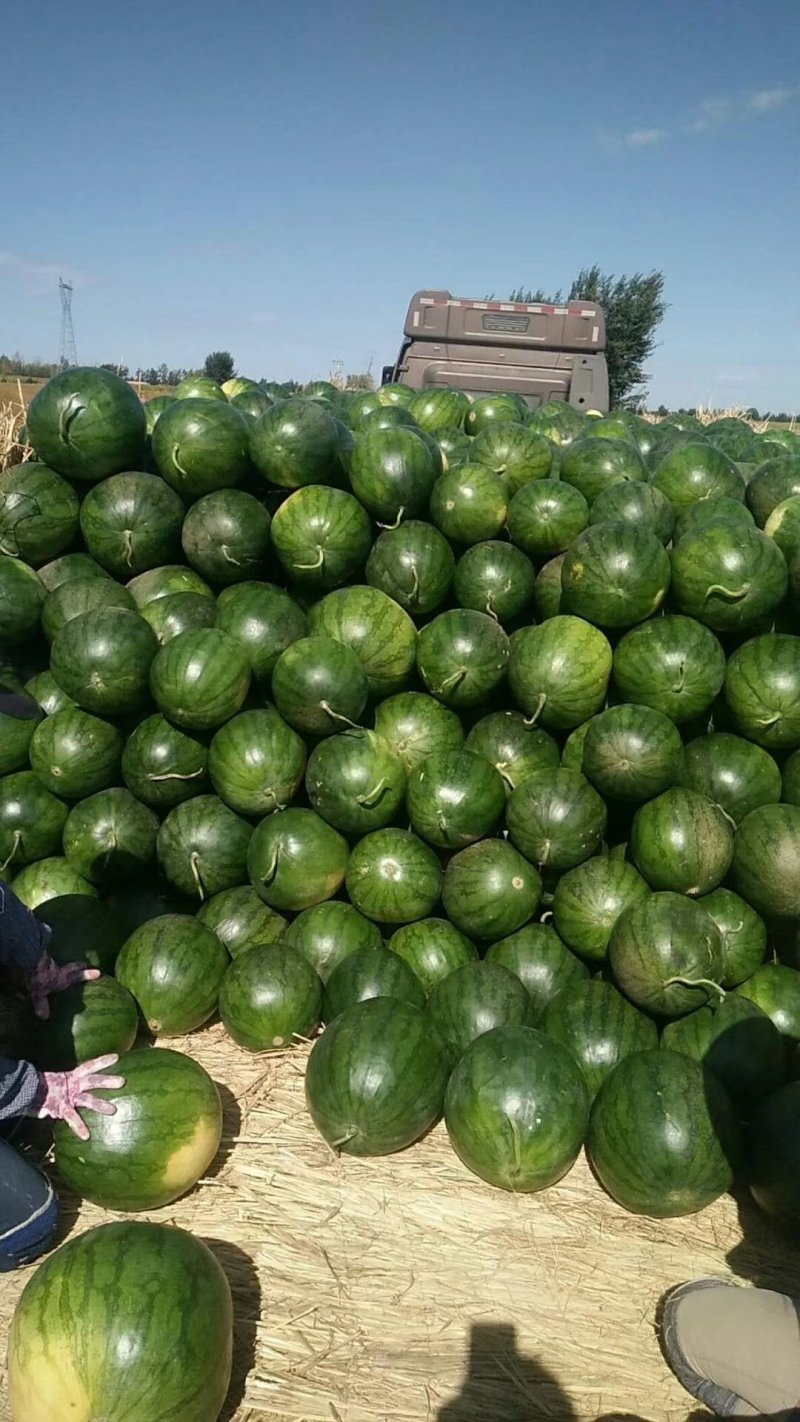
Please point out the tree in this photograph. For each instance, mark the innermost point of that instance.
(634, 306)
(219, 366)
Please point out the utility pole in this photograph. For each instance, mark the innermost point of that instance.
(68, 355)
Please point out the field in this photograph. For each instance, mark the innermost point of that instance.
(405, 1289)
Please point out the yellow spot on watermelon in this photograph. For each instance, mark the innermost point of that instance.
(192, 1159)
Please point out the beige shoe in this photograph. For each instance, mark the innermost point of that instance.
(737, 1350)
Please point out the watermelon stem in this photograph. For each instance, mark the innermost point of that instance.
(69, 413)
(400, 516)
(371, 797)
(451, 682)
(317, 563)
(14, 847)
(228, 559)
(337, 715)
(173, 775)
(272, 867)
(540, 704)
(697, 982)
(194, 861)
(732, 594)
(129, 547)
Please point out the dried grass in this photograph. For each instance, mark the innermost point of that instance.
(706, 415)
(12, 418)
(405, 1289)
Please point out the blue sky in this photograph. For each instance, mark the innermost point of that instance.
(277, 179)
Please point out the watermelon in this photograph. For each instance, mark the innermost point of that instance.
(454, 798)
(393, 877)
(270, 998)
(614, 575)
(475, 999)
(200, 679)
(322, 536)
(200, 445)
(709, 511)
(179, 612)
(96, 1358)
(296, 860)
(21, 598)
(82, 930)
(559, 422)
(199, 387)
(663, 1137)
(86, 1021)
(558, 672)
(682, 841)
(673, 664)
(202, 847)
(155, 406)
(728, 576)
(138, 903)
(395, 395)
(17, 732)
(173, 966)
(777, 479)
(636, 505)
(71, 565)
(736, 1041)
(415, 726)
(358, 405)
(544, 966)
(78, 596)
(632, 752)
(737, 775)
(666, 954)
(489, 890)
(736, 439)
(354, 782)
(462, 656)
(134, 1160)
(762, 690)
(513, 451)
(164, 582)
(766, 860)
(454, 447)
(51, 878)
(392, 472)
(110, 837)
(515, 749)
(47, 693)
(102, 660)
(414, 564)
(610, 426)
(516, 1109)
(547, 591)
(595, 1023)
(387, 417)
(263, 620)
(240, 920)
(790, 779)
(87, 423)
(433, 949)
(328, 933)
(744, 935)
(31, 820)
(319, 685)
(488, 409)
(692, 472)
(589, 899)
(256, 762)
(365, 974)
(376, 1078)
(775, 988)
(251, 403)
(469, 504)
(161, 765)
(545, 517)
(38, 513)
(132, 522)
(297, 442)
(555, 818)
(593, 464)
(439, 409)
(226, 536)
(496, 578)
(773, 1154)
(75, 754)
(783, 526)
(572, 754)
(376, 628)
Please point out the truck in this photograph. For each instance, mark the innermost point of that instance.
(533, 349)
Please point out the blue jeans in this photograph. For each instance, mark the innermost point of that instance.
(28, 1210)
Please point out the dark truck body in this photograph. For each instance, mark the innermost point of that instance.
(536, 350)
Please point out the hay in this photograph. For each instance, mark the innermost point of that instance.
(405, 1289)
(12, 418)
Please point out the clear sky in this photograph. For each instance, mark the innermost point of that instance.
(277, 179)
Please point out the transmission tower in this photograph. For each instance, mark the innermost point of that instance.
(68, 354)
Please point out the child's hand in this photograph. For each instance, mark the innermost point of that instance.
(64, 1091)
(48, 977)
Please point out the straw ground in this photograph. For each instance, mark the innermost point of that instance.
(405, 1289)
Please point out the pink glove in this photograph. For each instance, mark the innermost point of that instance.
(49, 977)
(64, 1091)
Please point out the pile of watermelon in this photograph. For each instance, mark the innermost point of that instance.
(468, 731)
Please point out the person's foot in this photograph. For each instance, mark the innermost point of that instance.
(737, 1350)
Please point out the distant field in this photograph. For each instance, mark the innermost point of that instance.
(9, 390)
